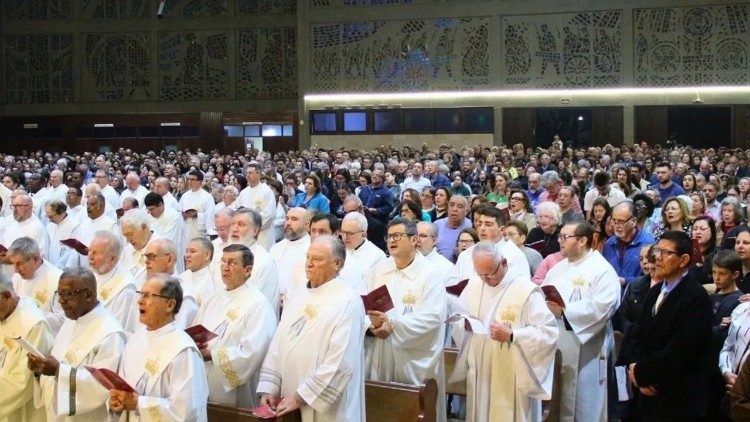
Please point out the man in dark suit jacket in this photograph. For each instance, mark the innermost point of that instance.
(671, 338)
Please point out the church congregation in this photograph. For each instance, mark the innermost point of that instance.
(610, 283)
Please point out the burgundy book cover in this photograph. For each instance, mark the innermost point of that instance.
(200, 334)
(537, 246)
(75, 244)
(110, 380)
(457, 288)
(552, 295)
(264, 412)
(378, 300)
(697, 257)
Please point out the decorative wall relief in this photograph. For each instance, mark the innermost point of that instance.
(116, 9)
(118, 66)
(193, 65)
(404, 55)
(25, 10)
(266, 7)
(267, 63)
(569, 50)
(176, 8)
(706, 45)
(38, 68)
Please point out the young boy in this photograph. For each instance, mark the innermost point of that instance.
(729, 321)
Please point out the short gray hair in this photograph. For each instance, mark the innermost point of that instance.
(254, 216)
(552, 207)
(225, 212)
(135, 217)
(25, 247)
(170, 288)
(487, 247)
(114, 245)
(549, 176)
(166, 246)
(429, 225)
(205, 244)
(338, 250)
(360, 219)
(353, 198)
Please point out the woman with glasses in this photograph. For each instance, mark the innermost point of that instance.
(516, 232)
(543, 238)
(466, 239)
(675, 215)
(520, 208)
(408, 210)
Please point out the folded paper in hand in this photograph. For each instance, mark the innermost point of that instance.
(457, 288)
(551, 294)
(28, 347)
(471, 325)
(76, 245)
(378, 300)
(200, 334)
(264, 412)
(109, 379)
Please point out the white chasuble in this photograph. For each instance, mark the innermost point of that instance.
(116, 291)
(591, 291)
(166, 369)
(245, 323)
(17, 391)
(518, 264)
(359, 262)
(203, 283)
(203, 203)
(289, 257)
(413, 352)
(95, 339)
(317, 352)
(42, 287)
(261, 199)
(488, 365)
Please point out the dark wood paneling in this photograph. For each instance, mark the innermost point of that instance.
(741, 126)
(212, 130)
(518, 126)
(607, 126)
(651, 124)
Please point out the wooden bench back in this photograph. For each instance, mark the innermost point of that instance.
(450, 355)
(383, 402)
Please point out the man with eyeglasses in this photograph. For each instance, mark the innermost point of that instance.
(197, 206)
(622, 250)
(245, 323)
(450, 228)
(160, 257)
(102, 179)
(671, 337)
(289, 254)
(20, 317)
(406, 345)
(590, 290)
(490, 226)
(223, 226)
(426, 238)
(73, 200)
(375, 228)
(26, 224)
(161, 362)
(137, 233)
(90, 336)
(361, 254)
(508, 371)
(133, 188)
(35, 277)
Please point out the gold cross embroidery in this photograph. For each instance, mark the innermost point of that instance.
(40, 297)
(104, 294)
(152, 366)
(232, 314)
(8, 343)
(579, 282)
(310, 311)
(409, 299)
(508, 314)
(71, 356)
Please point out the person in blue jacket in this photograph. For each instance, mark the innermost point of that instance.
(622, 250)
(377, 197)
(312, 198)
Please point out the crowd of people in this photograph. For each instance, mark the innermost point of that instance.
(141, 286)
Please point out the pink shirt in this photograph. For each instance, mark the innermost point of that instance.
(545, 266)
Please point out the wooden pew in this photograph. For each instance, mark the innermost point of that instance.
(450, 355)
(383, 402)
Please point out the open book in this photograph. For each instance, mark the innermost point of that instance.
(28, 347)
(378, 300)
(200, 334)
(109, 379)
(76, 245)
(471, 325)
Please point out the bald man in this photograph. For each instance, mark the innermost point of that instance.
(133, 189)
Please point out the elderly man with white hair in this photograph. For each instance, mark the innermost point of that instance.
(166, 222)
(26, 224)
(19, 317)
(61, 226)
(161, 257)
(223, 226)
(228, 198)
(508, 371)
(137, 233)
(101, 179)
(133, 189)
(161, 187)
(95, 220)
(246, 224)
(361, 254)
(36, 278)
(57, 189)
(115, 286)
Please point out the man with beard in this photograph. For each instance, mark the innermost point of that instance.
(289, 254)
(665, 186)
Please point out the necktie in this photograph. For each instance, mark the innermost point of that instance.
(659, 300)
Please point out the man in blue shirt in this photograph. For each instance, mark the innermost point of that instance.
(623, 249)
(377, 198)
(666, 187)
(435, 177)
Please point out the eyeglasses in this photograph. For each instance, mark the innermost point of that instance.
(516, 198)
(347, 234)
(149, 295)
(563, 237)
(661, 252)
(465, 241)
(68, 294)
(486, 276)
(151, 256)
(617, 222)
(396, 236)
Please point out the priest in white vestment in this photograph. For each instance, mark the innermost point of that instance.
(361, 254)
(36, 185)
(61, 226)
(198, 277)
(19, 317)
(426, 238)
(315, 361)
(590, 288)
(407, 342)
(245, 226)
(161, 187)
(25, 224)
(197, 206)
(290, 253)
(110, 194)
(76, 209)
(133, 189)
(160, 256)
(57, 189)
(90, 336)
(509, 369)
(115, 287)
(166, 223)
(260, 198)
(223, 226)
(36, 278)
(161, 362)
(136, 230)
(245, 323)
(490, 224)
(95, 220)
